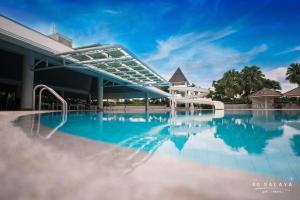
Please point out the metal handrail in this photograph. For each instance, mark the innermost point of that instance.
(45, 87)
(64, 119)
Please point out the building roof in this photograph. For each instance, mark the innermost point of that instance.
(178, 77)
(265, 92)
(24, 36)
(293, 93)
(116, 60)
(97, 60)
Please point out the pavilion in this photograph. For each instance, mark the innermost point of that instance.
(264, 98)
(293, 93)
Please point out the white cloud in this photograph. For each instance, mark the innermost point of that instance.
(297, 48)
(279, 74)
(173, 43)
(199, 55)
(165, 48)
(111, 12)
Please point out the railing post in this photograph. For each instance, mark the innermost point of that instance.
(44, 87)
(40, 98)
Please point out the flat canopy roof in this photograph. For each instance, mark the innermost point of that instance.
(115, 60)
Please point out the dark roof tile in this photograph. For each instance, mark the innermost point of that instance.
(178, 76)
(293, 93)
(265, 92)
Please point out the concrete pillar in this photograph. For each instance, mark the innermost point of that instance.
(191, 106)
(27, 81)
(266, 103)
(186, 96)
(146, 101)
(100, 93)
(173, 100)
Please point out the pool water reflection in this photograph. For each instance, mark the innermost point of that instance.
(263, 142)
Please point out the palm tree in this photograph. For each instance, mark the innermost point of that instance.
(229, 85)
(252, 79)
(249, 80)
(293, 73)
(271, 84)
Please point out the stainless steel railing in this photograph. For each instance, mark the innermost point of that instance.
(64, 109)
(43, 88)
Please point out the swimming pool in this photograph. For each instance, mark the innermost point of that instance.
(263, 142)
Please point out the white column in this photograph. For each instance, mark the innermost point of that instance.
(100, 93)
(192, 106)
(266, 103)
(172, 100)
(27, 81)
(146, 101)
(186, 96)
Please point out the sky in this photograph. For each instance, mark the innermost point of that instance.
(204, 38)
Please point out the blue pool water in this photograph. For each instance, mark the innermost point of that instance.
(263, 142)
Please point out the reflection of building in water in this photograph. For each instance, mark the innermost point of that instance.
(175, 127)
(295, 144)
(179, 141)
(171, 134)
(251, 132)
(291, 118)
(183, 125)
(266, 119)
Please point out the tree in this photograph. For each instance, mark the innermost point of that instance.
(253, 79)
(244, 83)
(293, 73)
(271, 84)
(229, 85)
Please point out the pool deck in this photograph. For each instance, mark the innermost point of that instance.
(69, 167)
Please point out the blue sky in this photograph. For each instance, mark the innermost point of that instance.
(203, 37)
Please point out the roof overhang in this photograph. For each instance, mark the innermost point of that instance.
(257, 96)
(115, 60)
(21, 35)
(136, 74)
(293, 93)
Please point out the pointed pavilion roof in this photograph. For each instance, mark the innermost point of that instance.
(179, 141)
(178, 77)
(265, 92)
(293, 93)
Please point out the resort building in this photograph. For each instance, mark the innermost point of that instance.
(85, 75)
(183, 93)
(293, 93)
(264, 98)
(179, 78)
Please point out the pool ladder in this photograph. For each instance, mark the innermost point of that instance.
(64, 109)
(43, 88)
